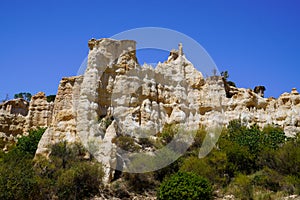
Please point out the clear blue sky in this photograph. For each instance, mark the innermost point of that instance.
(41, 41)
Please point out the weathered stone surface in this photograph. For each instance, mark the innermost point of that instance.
(136, 98)
(15, 106)
(63, 122)
(11, 125)
(18, 116)
(40, 112)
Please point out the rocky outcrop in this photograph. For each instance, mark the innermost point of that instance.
(116, 96)
(15, 107)
(251, 108)
(63, 123)
(12, 120)
(40, 112)
(18, 116)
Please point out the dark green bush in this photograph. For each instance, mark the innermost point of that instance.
(28, 144)
(51, 98)
(198, 139)
(242, 187)
(273, 137)
(80, 181)
(17, 176)
(185, 185)
(287, 158)
(214, 167)
(66, 174)
(140, 182)
(268, 179)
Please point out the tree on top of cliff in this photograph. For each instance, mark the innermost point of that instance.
(225, 75)
(24, 95)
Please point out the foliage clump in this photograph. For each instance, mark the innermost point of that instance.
(65, 175)
(185, 185)
(23, 95)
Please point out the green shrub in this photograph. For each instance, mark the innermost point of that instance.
(240, 159)
(126, 143)
(168, 132)
(214, 167)
(17, 177)
(66, 175)
(273, 137)
(242, 187)
(185, 185)
(168, 171)
(198, 139)
(80, 181)
(28, 144)
(268, 179)
(140, 182)
(51, 98)
(287, 158)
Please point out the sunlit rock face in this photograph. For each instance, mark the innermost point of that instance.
(18, 116)
(116, 96)
(40, 112)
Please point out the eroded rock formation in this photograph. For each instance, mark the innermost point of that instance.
(116, 96)
(116, 89)
(18, 116)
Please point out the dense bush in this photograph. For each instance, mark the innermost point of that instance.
(79, 181)
(214, 167)
(65, 175)
(17, 177)
(242, 187)
(51, 98)
(185, 185)
(28, 144)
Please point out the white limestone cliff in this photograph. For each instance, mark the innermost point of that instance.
(116, 88)
(116, 96)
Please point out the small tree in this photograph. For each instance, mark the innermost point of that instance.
(24, 95)
(51, 98)
(28, 144)
(225, 75)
